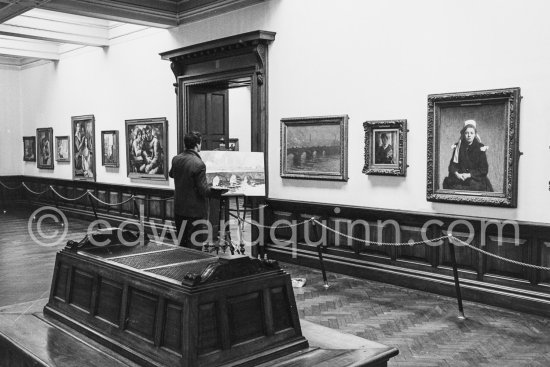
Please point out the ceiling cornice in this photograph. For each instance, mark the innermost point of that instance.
(11, 8)
(161, 13)
(193, 10)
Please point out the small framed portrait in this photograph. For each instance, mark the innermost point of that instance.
(233, 144)
(473, 147)
(315, 148)
(83, 129)
(109, 148)
(62, 149)
(147, 148)
(385, 147)
(44, 139)
(29, 148)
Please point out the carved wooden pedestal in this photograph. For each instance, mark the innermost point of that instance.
(163, 305)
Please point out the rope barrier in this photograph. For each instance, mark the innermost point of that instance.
(499, 257)
(10, 188)
(111, 204)
(69, 199)
(35, 192)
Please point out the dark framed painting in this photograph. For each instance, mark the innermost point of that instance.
(473, 147)
(29, 148)
(62, 149)
(83, 129)
(233, 144)
(385, 147)
(147, 148)
(44, 140)
(315, 148)
(109, 148)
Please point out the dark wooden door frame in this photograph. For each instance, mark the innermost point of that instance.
(185, 83)
(242, 55)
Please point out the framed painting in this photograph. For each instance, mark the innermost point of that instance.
(473, 147)
(29, 148)
(44, 139)
(109, 148)
(315, 148)
(385, 147)
(147, 148)
(233, 144)
(83, 129)
(62, 149)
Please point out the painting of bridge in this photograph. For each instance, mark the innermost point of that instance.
(314, 147)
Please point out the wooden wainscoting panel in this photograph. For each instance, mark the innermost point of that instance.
(245, 320)
(510, 249)
(81, 289)
(420, 252)
(61, 282)
(141, 315)
(209, 332)
(109, 300)
(172, 335)
(282, 319)
(127, 207)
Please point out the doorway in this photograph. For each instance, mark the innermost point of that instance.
(221, 111)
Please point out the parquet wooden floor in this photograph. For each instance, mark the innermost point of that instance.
(423, 326)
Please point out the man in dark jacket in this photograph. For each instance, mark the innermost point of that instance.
(191, 190)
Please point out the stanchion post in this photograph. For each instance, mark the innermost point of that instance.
(457, 281)
(136, 208)
(3, 201)
(321, 262)
(54, 195)
(93, 207)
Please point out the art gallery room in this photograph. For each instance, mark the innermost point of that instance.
(204, 183)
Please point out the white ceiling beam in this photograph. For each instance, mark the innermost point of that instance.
(52, 36)
(56, 27)
(40, 50)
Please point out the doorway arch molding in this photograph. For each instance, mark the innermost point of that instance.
(222, 60)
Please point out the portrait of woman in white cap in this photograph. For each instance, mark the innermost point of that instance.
(468, 167)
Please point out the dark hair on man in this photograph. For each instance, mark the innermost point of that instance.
(192, 139)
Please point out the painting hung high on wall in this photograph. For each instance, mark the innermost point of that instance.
(385, 147)
(62, 149)
(473, 147)
(29, 148)
(44, 139)
(315, 148)
(147, 148)
(109, 148)
(83, 129)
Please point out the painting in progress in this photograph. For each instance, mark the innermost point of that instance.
(241, 172)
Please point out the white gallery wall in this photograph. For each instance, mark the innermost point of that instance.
(11, 132)
(371, 60)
